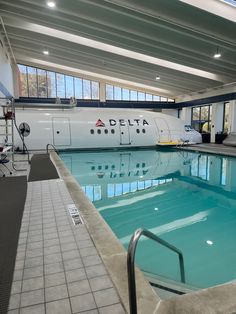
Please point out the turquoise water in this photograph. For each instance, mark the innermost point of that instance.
(187, 199)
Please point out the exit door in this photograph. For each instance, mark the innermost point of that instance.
(163, 130)
(124, 135)
(61, 131)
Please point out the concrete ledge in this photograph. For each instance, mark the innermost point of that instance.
(216, 300)
(111, 251)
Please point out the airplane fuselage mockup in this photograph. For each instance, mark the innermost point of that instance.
(85, 128)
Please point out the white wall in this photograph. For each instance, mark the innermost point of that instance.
(171, 112)
(6, 75)
(186, 115)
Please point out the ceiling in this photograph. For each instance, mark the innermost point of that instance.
(132, 41)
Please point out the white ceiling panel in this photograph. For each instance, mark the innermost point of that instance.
(133, 41)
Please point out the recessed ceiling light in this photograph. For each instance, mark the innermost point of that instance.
(46, 52)
(217, 55)
(51, 4)
(158, 78)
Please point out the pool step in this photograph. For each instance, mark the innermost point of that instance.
(166, 288)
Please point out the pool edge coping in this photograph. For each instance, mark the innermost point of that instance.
(108, 246)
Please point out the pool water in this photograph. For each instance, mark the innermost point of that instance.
(187, 199)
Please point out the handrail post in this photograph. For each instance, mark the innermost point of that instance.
(52, 147)
(131, 271)
(131, 267)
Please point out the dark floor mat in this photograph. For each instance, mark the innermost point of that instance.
(42, 168)
(12, 200)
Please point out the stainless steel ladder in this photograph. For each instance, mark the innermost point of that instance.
(131, 267)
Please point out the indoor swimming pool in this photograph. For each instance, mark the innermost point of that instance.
(187, 199)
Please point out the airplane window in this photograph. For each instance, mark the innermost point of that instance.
(105, 131)
(99, 167)
(143, 130)
(143, 164)
(138, 131)
(99, 131)
(92, 131)
(92, 168)
(112, 131)
(188, 128)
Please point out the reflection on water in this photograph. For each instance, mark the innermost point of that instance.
(188, 199)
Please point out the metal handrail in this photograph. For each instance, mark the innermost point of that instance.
(130, 263)
(52, 147)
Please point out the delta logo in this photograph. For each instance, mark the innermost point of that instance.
(99, 123)
(122, 122)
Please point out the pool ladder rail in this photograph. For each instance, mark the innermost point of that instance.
(54, 148)
(131, 267)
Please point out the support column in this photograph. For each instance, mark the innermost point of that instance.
(186, 115)
(15, 80)
(216, 120)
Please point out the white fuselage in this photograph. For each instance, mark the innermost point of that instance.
(85, 128)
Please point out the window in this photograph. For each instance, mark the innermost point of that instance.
(138, 131)
(112, 131)
(95, 90)
(23, 82)
(133, 95)
(60, 85)
(92, 131)
(141, 96)
(201, 118)
(87, 89)
(205, 119)
(78, 88)
(42, 83)
(99, 131)
(148, 97)
(106, 131)
(156, 98)
(51, 83)
(32, 82)
(69, 86)
(196, 118)
(143, 130)
(125, 94)
(117, 93)
(109, 92)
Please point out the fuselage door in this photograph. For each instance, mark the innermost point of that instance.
(61, 131)
(163, 130)
(124, 135)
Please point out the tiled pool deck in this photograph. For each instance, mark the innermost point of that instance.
(58, 269)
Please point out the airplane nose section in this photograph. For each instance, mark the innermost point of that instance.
(197, 138)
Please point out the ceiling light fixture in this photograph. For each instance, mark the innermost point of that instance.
(158, 78)
(46, 52)
(217, 55)
(51, 4)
